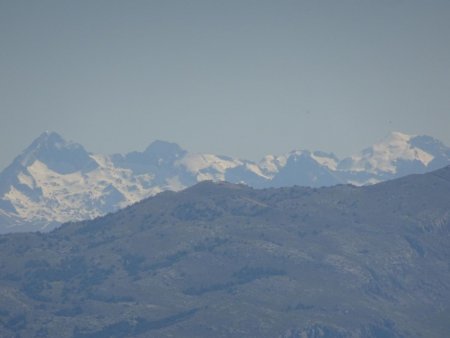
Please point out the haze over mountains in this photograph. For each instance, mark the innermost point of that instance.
(225, 260)
(55, 181)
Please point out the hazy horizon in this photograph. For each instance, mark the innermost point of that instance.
(243, 79)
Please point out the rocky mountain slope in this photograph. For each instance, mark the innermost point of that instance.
(55, 181)
(224, 260)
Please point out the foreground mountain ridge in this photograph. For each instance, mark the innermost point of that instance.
(226, 260)
(55, 181)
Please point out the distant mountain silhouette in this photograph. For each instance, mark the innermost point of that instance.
(55, 181)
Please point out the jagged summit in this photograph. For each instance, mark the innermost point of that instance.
(57, 154)
(46, 141)
(55, 180)
(49, 137)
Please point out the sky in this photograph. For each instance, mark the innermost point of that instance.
(241, 78)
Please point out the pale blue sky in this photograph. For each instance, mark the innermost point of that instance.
(242, 78)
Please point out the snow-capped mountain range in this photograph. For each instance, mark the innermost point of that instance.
(55, 181)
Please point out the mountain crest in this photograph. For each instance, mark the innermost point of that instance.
(55, 180)
(395, 155)
(164, 149)
(57, 154)
(46, 141)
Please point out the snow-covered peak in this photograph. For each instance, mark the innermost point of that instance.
(385, 155)
(54, 180)
(322, 158)
(326, 159)
(58, 154)
(397, 136)
(207, 166)
(271, 164)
